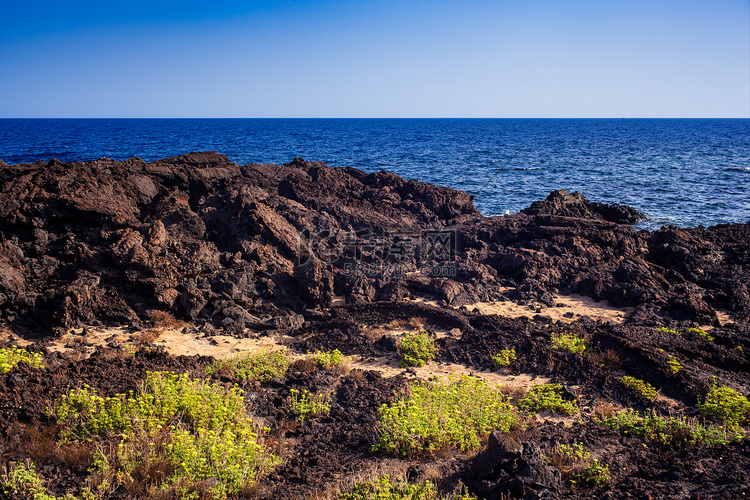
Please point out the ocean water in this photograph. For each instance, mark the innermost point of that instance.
(684, 172)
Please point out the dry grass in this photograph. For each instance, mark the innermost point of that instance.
(608, 358)
(163, 320)
(605, 409)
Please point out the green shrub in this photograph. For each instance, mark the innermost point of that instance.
(569, 342)
(330, 359)
(547, 397)
(643, 388)
(739, 349)
(671, 431)
(577, 467)
(383, 488)
(305, 405)
(673, 364)
(724, 404)
(415, 349)
(436, 415)
(504, 358)
(22, 481)
(9, 358)
(197, 430)
(664, 329)
(261, 365)
(702, 333)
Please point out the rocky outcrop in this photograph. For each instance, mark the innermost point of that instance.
(576, 205)
(260, 246)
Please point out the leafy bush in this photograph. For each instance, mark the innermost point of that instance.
(664, 329)
(569, 342)
(22, 481)
(9, 358)
(193, 430)
(305, 405)
(673, 364)
(702, 333)
(383, 488)
(577, 466)
(415, 349)
(436, 415)
(504, 358)
(671, 431)
(724, 404)
(547, 397)
(330, 359)
(261, 365)
(643, 388)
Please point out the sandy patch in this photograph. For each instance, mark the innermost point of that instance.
(568, 308)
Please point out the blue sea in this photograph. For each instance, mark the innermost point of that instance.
(683, 172)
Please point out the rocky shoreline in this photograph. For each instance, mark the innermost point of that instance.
(324, 257)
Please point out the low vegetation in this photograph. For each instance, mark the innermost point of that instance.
(173, 435)
(671, 331)
(330, 359)
(260, 365)
(670, 431)
(9, 358)
(569, 342)
(702, 333)
(415, 349)
(504, 358)
(577, 467)
(22, 481)
(725, 405)
(673, 364)
(547, 397)
(385, 488)
(458, 414)
(305, 405)
(645, 389)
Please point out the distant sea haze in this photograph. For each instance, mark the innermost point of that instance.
(684, 172)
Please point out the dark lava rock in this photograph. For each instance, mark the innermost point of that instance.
(509, 469)
(255, 246)
(576, 205)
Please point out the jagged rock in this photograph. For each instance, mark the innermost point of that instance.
(189, 232)
(562, 203)
(509, 469)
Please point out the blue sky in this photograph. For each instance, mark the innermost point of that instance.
(375, 58)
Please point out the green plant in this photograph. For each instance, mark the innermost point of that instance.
(383, 488)
(670, 431)
(174, 434)
(437, 415)
(547, 397)
(664, 329)
(673, 364)
(739, 349)
(569, 342)
(22, 480)
(724, 404)
(643, 388)
(261, 365)
(702, 333)
(416, 348)
(330, 359)
(305, 405)
(504, 358)
(9, 358)
(577, 466)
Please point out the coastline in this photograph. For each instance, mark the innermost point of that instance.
(312, 257)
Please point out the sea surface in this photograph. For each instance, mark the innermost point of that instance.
(683, 172)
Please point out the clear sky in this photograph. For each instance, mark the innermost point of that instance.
(375, 58)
